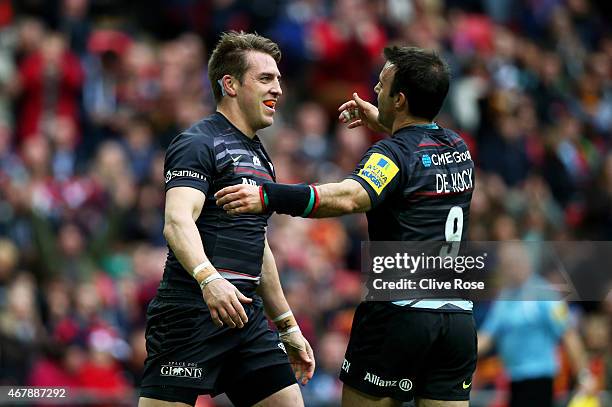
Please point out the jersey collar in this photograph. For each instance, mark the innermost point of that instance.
(428, 126)
(254, 140)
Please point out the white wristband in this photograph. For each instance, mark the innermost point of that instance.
(200, 267)
(290, 331)
(282, 316)
(209, 279)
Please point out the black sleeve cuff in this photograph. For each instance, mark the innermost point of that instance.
(191, 183)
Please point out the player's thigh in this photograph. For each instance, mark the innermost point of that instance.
(155, 396)
(452, 362)
(354, 398)
(260, 385)
(287, 397)
(147, 402)
(388, 350)
(185, 350)
(440, 403)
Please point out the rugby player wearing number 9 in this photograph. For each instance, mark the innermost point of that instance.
(414, 186)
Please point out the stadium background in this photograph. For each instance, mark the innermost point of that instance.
(91, 92)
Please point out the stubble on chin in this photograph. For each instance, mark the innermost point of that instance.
(380, 119)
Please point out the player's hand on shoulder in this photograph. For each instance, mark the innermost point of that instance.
(300, 356)
(357, 112)
(237, 199)
(224, 302)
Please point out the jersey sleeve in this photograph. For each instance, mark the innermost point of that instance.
(378, 172)
(189, 163)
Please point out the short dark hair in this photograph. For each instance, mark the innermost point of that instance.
(229, 56)
(422, 76)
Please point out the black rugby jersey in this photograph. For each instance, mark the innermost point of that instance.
(420, 183)
(210, 155)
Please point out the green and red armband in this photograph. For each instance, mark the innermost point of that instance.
(264, 199)
(289, 199)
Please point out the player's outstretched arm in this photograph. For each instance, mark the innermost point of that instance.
(277, 309)
(357, 112)
(183, 207)
(341, 198)
(321, 201)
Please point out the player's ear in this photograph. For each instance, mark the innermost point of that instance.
(400, 101)
(228, 85)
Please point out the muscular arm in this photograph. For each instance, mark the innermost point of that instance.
(341, 198)
(183, 207)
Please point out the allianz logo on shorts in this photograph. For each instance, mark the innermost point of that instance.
(346, 365)
(403, 384)
(181, 371)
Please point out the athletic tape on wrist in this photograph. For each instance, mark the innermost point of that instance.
(210, 279)
(197, 269)
(283, 316)
(290, 331)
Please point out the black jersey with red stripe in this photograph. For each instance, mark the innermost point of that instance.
(210, 155)
(420, 183)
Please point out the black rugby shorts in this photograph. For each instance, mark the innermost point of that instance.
(187, 351)
(402, 353)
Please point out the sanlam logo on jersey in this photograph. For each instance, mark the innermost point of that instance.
(170, 174)
(378, 171)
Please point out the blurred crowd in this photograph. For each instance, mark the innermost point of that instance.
(93, 91)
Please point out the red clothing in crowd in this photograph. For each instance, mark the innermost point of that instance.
(49, 373)
(346, 61)
(107, 379)
(59, 94)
